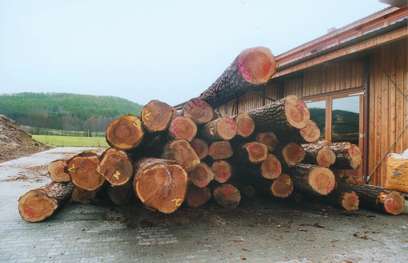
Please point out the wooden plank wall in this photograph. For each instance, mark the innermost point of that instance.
(388, 106)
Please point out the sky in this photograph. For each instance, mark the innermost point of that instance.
(143, 50)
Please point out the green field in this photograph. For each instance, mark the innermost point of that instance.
(73, 141)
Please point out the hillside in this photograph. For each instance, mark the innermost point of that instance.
(65, 111)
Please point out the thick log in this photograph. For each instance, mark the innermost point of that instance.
(198, 110)
(292, 154)
(125, 133)
(310, 133)
(201, 175)
(344, 197)
(223, 128)
(319, 154)
(200, 147)
(222, 171)
(116, 167)
(282, 187)
(245, 125)
(283, 117)
(120, 195)
(182, 152)
(379, 199)
(271, 167)
(197, 197)
(38, 204)
(82, 196)
(253, 152)
(269, 139)
(160, 184)
(57, 171)
(156, 116)
(227, 196)
(313, 179)
(83, 171)
(182, 128)
(348, 155)
(252, 67)
(220, 150)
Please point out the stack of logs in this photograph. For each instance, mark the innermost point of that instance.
(168, 156)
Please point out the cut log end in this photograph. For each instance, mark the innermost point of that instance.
(269, 139)
(83, 171)
(282, 187)
(271, 168)
(201, 175)
(257, 152)
(222, 171)
(256, 65)
(350, 201)
(156, 116)
(36, 206)
(200, 147)
(322, 180)
(58, 171)
(245, 125)
(311, 132)
(227, 196)
(182, 152)
(325, 157)
(116, 167)
(125, 133)
(197, 197)
(220, 150)
(293, 154)
(296, 111)
(394, 203)
(183, 128)
(198, 110)
(355, 156)
(226, 128)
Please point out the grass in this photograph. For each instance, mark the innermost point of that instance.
(73, 141)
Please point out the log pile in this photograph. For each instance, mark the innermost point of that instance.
(167, 157)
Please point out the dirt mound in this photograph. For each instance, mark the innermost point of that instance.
(14, 142)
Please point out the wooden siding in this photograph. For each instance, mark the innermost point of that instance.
(251, 100)
(388, 106)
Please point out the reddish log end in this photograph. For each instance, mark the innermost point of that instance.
(256, 65)
(227, 196)
(310, 133)
(220, 150)
(156, 116)
(183, 128)
(200, 147)
(116, 167)
(58, 171)
(245, 125)
(182, 152)
(282, 187)
(223, 128)
(350, 201)
(355, 155)
(257, 152)
(198, 110)
(271, 168)
(83, 171)
(394, 202)
(222, 171)
(201, 175)
(125, 133)
(269, 139)
(322, 180)
(350, 176)
(325, 157)
(197, 197)
(296, 111)
(293, 154)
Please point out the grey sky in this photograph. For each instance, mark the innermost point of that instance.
(170, 50)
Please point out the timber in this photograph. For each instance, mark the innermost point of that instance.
(269, 139)
(125, 133)
(271, 167)
(183, 128)
(220, 150)
(83, 171)
(348, 155)
(253, 152)
(198, 110)
(57, 171)
(156, 116)
(201, 175)
(222, 171)
(227, 196)
(282, 187)
(197, 197)
(292, 154)
(319, 154)
(313, 179)
(182, 152)
(245, 125)
(160, 184)
(344, 197)
(116, 167)
(223, 128)
(253, 67)
(200, 147)
(39, 204)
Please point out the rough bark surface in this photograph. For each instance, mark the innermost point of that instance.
(319, 154)
(313, 179)
(348, 155)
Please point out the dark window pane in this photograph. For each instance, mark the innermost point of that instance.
(318, 114)
(346, 113)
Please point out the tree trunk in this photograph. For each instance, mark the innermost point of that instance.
(292, 154)
(156, 116)
(125, 133)
(253, 67)
(198, 110)
(160, 184)
(223, 128)
(220, 150)
(197, 197)
(269, 139)
(182, 128)
(227, 196)
(310, 133)
(182, 152)
(313, 179)
(201, 175)
(57, 171)
(116, 167)
(200, 147)
(38, 204)
(83, 171)
(319, 154)
(245, 125)
(222, 171)
(348, 155)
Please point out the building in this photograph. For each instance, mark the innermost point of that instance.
(355, 82)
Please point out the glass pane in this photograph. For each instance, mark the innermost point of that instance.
(346, 113)
(318, 114)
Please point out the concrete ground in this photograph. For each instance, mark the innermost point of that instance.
(258, 231)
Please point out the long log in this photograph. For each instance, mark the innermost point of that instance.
(160, 184)
(319, 154)
(116, 167)
(200, 147)
(269, 139)
(197, 197)
(245, 125)
(220, 150)
(348, 155)
(182, 152)
(156, 116)
(313, 179)
(222, 171)
(182, 128)
(198, 110)
(223, 128)
(57, 171)
(83, 171)
(227, 195)
(252, 67)
(125, 133)
(201, 175)
(38, 204)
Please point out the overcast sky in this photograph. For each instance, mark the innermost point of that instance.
(140, 50)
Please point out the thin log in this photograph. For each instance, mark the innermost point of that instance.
(269, 139)
(319, 154)
(271, 168)
(156, 116)
(313, 179)
(348, 155)
(57, 171)
(116, 167)
(201, 175)
(222, 171)
(197, 197)
(200, 147)
(220, 150)
(223, 128)
(282, 187)
(125, 133)
(350, 176)
(39, 204)
(160, 184)
(182, 152)
(252, 67)
(83, 171)
(183, 128)
(245, 125)
(198, 110)
(227, 196)
(293, 154)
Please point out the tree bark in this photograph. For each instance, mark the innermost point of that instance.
(344, 197)
(57, 171)
(313, 179)
(198, 110)
(116, 167)
(223, 128)
(38, 204)
(125, 133)
(319, 154)
(222, 171)
(156, 116)
(269, 139)
(83, 171)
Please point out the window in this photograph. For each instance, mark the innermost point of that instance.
(346, 119)
(318, 114)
